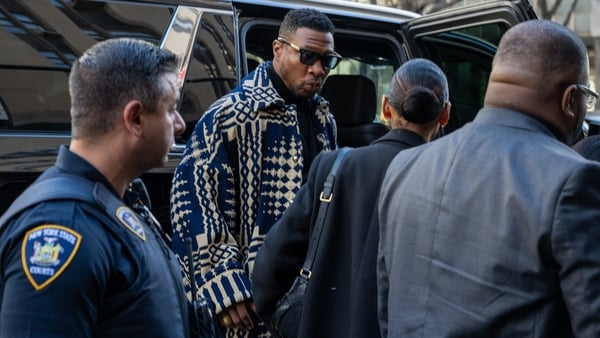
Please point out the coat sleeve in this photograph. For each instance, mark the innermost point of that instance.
(284, 249)
(575, 238)
(203, 207)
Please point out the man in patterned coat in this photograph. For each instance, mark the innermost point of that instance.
(245, 161)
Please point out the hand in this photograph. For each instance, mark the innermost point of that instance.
(238, 316)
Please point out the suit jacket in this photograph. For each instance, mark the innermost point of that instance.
(340, 299)
(491, 231)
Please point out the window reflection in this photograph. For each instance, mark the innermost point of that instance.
(40, 40)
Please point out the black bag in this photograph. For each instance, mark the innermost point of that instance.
(285, 322)
(286, 319)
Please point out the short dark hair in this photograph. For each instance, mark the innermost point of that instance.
(418, 91)
(548, 46)
(109, 75)
(305, 18)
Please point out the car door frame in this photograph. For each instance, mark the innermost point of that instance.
(180, 38)
(421, 33)
(509, 12)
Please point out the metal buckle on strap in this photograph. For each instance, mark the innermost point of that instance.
(305, 273)
(326, 199)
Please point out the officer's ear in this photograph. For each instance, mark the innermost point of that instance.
(132, 117)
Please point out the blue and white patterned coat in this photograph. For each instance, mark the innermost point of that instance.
(241, 169)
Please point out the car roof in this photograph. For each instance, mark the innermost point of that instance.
(345, 8)
(341, 7)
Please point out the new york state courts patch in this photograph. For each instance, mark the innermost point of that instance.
(46, 252)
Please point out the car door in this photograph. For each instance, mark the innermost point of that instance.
(463, 41)
(202, 35)
(39, 40)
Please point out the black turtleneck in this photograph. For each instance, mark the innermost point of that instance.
(310, 145)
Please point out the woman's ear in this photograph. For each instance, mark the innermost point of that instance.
(386, 108)
(445, 115)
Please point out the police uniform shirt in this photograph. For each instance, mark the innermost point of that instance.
(71, 270)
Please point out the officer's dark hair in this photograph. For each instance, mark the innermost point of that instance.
(305, 18)
(418, 91)
(109, 75)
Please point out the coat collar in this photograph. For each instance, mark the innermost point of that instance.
(259, 87)
(402, 136)
(512, 118)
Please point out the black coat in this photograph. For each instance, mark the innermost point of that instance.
(341, 297)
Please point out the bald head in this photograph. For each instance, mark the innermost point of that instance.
(541, 46)
(535, 71)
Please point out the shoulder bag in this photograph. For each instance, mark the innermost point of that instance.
(285, 322)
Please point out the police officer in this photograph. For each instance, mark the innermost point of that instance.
(76, 260)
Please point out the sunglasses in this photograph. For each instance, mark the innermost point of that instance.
(308, 57)
(590, 96)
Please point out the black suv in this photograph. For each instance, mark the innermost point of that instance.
(219, 42)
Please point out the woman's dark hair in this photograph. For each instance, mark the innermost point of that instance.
(418, 91)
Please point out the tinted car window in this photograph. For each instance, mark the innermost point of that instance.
(44, 38)
(212, 69)
(39, 41)
(465, 56)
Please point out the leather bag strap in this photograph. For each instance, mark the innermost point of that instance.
(325, 197)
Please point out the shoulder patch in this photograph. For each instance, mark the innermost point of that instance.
(46, 252)
(131, 222)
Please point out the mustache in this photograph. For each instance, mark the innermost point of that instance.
(316, 80)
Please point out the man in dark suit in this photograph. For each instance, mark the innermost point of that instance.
(494, 230)
(340, 299)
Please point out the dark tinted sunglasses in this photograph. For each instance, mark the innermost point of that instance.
(308, 57)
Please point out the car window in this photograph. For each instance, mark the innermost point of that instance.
(41, 39)
(370, 57)
(465, 57)
(212, 69)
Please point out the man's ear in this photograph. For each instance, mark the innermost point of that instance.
(568, 102)
(276, 48)
(132, 117)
